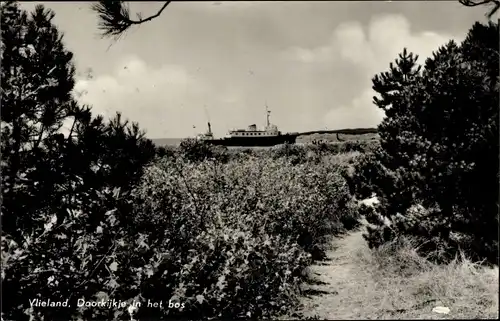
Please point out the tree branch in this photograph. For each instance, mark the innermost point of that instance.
(475, 3)
(471, 3)
(72, 129)
(114, 17)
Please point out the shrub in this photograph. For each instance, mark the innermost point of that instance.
(297, 154)
(226, 239)
(197, 150)
(262, 186)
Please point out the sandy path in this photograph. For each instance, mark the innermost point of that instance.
(347, 288)
(343, 287)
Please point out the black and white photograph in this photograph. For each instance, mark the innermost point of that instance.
(249, 160)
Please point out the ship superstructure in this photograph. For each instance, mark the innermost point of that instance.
(251, 136)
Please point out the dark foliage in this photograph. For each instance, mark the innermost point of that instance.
(436, 173)
(114, 17)
(56, 186)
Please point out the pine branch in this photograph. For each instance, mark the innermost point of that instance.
(475, 3)
(114, 17)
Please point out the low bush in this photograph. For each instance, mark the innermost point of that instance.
(295, 153)
(197, 150)
(226, 240)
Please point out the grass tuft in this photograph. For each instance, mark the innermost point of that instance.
(412, 286)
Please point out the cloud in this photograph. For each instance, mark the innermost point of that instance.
(153, 97)
(307, 88)
(386, 37)
(315, 55)
(369, 51)
(359, 113)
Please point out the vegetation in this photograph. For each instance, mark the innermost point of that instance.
(56, 186)
(411, 285)
(254, 223)
(100, 213)
(436, 171)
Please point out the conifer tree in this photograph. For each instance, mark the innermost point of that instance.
(392, 87)
(42, 168)
(50, 177)
(439, 149)
(37, 79)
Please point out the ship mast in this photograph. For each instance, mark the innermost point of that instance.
(208, 119)
(268, 113)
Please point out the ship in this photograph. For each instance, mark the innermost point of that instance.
(251, 137)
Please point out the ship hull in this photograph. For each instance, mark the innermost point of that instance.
(254, 141)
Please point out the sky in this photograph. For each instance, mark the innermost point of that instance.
(311, 62)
